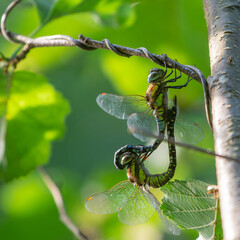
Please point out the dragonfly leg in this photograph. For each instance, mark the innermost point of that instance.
(175, 78)
(181, 86)
(166, 71)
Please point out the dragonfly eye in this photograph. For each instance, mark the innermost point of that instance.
(155, 74)
(126, 159)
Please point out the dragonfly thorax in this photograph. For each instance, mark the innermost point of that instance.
(136, 173)
(156, 96)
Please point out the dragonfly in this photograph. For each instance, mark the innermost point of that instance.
(132, 199)
(149, 112)
(133, 158)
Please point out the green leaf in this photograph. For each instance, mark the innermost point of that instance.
(43, 8)
(64, 7)
(188, 204)
(115, 14)
(108, 13)
(126, 14)
(35, 116)
(50, 10)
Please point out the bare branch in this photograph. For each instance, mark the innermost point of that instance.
(57, 197)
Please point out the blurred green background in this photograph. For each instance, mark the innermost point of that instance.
(82, 162)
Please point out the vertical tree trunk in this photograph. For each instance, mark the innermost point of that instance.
(223, 22)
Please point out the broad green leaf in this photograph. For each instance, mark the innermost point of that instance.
(64, 7)
(189, 205)
(43, 9)
(126, 14)
(117, 13)
(108, 13)
(50, 10)
(35, 116)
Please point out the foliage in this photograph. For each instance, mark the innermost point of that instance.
(33, 114)
(189, 205)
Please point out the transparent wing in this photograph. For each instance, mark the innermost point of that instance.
(121, 106)
(142, 126)
(188, 132)
(111, 200)
(145, 128)
(137, 209)
(172, 227)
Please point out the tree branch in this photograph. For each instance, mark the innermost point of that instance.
(57, 197)
(223, 23)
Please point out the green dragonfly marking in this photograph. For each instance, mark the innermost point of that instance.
(142, 113)
(132, 199)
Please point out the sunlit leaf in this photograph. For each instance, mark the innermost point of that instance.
(189, 205)
(43, 8)
(114, 14)
(50, 10)
(64, 7)
(125, 14)
(35, 116)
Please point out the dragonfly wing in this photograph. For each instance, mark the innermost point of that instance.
(143, 126)
(171, 226)
(185, 130)
(188, 132)
(121, 106)
(111, 200)
(137, 209)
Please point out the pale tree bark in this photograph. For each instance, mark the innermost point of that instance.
(223, 22)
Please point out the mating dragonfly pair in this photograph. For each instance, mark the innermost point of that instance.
(147, 118)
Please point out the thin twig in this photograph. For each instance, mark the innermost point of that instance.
(57, 197)
(180, 144)
(199, 149)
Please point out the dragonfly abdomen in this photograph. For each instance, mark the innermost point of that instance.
(158, 180)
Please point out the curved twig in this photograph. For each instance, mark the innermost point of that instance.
(57, 197)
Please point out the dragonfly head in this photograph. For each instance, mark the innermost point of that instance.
(156, 74)
(125, 155)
